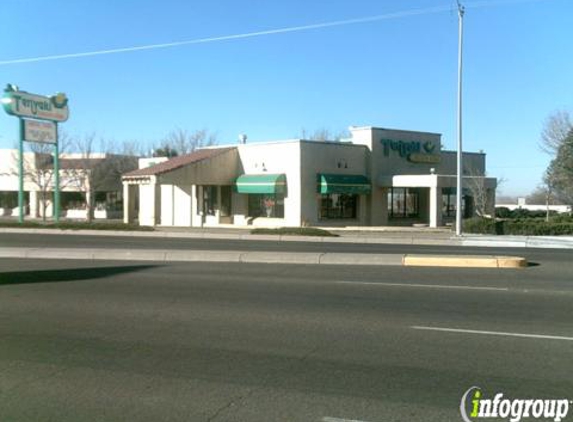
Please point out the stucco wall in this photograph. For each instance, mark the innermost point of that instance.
(149, 208)
(273, 158)
(473, 163)
(330, 158)
(176, 205)
(388, 161)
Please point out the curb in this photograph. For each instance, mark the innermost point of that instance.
(299, 258)
(465, 261)
(553, 242)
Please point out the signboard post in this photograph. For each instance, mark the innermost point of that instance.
(21, 173)
(56, 178)
(38, 117)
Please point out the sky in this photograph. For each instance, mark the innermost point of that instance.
(396, 70)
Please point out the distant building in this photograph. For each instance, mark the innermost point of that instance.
(74, 183)
(522, 204)
(381, 177)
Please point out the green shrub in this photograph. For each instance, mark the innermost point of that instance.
(295, 231)
(525, 227)
(502, 212)
(481, 225)
(521, 213)
(561, 218)
(537, 228)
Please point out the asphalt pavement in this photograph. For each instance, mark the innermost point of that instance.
(108, 341)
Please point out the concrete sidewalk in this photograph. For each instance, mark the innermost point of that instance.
(366, 235)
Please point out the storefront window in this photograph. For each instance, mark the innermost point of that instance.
(403, 203)
(449, 203)
(8, 199)
(338, 206)
(226, 198)
(269, 206)
(209, 199)
(73, 201)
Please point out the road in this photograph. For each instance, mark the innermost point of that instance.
(109, 341)
(24, 240)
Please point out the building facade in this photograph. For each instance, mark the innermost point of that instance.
(379, 177)
(96, 178)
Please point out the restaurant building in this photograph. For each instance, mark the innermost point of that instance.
(379, 177)
(96, 176)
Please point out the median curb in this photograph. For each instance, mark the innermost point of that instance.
(263, 257)
(465, 261)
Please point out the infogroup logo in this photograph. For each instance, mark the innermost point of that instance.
(474, 406)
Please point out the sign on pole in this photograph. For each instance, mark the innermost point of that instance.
(40, 131)
(45, 112)
(26, 105)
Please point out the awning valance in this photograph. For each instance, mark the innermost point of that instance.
(343, 183)
(261, 183)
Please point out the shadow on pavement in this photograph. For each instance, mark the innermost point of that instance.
(533, 264)
(68, 274)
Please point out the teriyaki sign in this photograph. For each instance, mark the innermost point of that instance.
(413, 151)
(39, 116)
(23, 104)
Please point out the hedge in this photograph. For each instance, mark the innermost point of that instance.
(75, 225)
(527, 227)
(295, 231)
(504, 212)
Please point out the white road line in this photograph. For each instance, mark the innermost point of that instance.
(493, 333)
(425, 286)
(330, 419)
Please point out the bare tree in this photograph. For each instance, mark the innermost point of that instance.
(475, 182)
(99, 171)
(476, 185)
(41, 174)
(181, 141)
(543, 195)
(39, 170)
(555, 130)
(559, 174)
(505, 199)
(323, 134)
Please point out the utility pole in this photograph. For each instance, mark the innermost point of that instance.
(459, 189)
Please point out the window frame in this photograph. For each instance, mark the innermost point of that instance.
(410, 200)
(331, 210)
(269, 205)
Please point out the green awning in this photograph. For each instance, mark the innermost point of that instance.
(261, 183)
(343, 183)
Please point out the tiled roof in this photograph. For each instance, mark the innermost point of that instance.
(69, 163)
(178, 162)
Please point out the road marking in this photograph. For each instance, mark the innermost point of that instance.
(493, 333)
(330, 419)
(426, 286)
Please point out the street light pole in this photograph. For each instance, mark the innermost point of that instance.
(461, 11)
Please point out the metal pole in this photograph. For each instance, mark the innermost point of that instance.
(21, 173)
(56, 178)
(459, 190)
